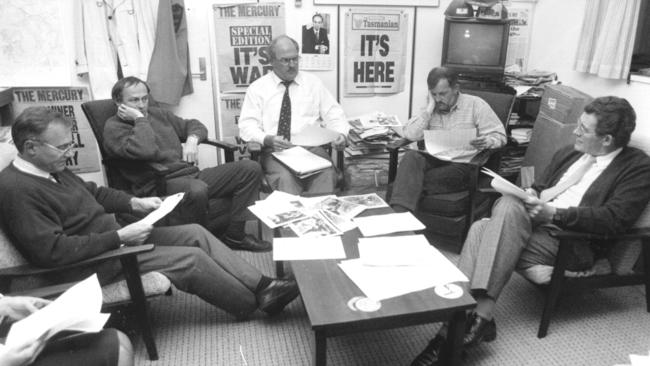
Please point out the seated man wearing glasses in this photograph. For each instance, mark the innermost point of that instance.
(280, 104)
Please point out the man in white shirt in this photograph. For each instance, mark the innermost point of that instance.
(281, 104)
(599, 185)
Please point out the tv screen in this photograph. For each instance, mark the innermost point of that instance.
(475, 47)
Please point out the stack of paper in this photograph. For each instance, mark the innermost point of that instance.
(301, 161)
(76, 309)
(394, 266)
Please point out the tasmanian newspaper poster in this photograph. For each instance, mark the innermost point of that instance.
(243, 33)
(230, 111)
(375, 51)
(67, 101)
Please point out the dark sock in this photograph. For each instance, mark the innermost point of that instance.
(264, 283)
(236, 230)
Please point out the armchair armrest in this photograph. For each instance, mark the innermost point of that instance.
(393, 151)
(29, 270)
(228, 148)
(568, 235)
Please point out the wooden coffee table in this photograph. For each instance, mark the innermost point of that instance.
(326, 290)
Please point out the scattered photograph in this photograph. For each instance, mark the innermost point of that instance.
(313, 226)
(371, 200)
(341, 208)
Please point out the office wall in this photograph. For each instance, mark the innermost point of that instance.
(553, 45)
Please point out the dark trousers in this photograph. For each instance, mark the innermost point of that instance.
(420, 172)
(198, 263)
(239, 182)
(98, 349)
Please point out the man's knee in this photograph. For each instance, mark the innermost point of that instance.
(196, 190)
(412, 158)
(508, 204)
(250, 168)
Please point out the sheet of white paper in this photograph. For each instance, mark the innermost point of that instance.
(384, 282)
(301, 161)
(78, 308)
(450, 144)
(405, 250)
(389, 223)
(166, 207)
(505, 187)
(292, 249)
(313, 135)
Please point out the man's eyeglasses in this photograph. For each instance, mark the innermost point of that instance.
(287, 61)
(61, 149)
(582, 130)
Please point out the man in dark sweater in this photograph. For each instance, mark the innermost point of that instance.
(598, 185)
(55, 218)
(150, 134)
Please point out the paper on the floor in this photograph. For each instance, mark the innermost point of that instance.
(76, 309)
(384, 282)
(389, 223)
(291, 249)
(167, 205)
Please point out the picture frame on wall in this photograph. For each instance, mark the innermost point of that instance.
(427, 3)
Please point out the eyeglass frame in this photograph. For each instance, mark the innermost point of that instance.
(580, 128)
(287, 61)
(71, 145)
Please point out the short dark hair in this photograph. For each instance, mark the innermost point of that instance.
(318, 15)
(275, 41)
(615, 117)
(32, 122)
(438, 73)
(118, 88)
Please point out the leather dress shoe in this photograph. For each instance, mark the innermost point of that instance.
(432, 353)
(248, 243)
(274, 297)
(479, 330)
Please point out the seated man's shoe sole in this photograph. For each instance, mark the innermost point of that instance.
(277, 295)
(479, 330)
(432, 354)
(248, 243)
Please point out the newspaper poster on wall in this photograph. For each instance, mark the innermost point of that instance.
(67, 101)
(243, 33)
(230, 111)
(316, 49)
(520, 16)
(375, 51)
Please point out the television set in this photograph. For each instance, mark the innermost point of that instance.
(475, 48)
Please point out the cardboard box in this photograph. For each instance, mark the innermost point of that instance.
(548, 137)
(563, 103)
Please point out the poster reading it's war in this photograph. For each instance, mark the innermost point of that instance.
(243, 34)
(67, 101)
(375, 51)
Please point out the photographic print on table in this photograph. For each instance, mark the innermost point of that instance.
(314, 226)
(371, 200)
(341, 208)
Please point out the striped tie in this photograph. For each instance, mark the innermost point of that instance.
(284, 124)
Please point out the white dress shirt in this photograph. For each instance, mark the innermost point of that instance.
(311, 104)
(29, 168)
(573, 195)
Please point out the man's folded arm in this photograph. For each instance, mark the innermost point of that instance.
(137, 141)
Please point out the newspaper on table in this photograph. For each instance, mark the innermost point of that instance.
(505, 187)
(395, 266)
(451, 145)
(316, 225)
(275, 214)
(368, 201)
(79, 309)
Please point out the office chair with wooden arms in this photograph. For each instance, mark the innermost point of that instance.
(99, 111)
(451, 214)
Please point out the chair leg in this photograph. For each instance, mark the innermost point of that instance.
(134, 282)
(646, 271)
(555, 287)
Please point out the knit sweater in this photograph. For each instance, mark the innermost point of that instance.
(613, 202)
(53, 224)
(155, 138)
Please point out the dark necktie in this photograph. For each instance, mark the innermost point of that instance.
(284, 123)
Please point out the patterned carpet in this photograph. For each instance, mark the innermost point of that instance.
(592, 328)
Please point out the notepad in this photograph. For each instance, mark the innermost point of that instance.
(301, 162)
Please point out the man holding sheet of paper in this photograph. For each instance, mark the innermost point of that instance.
(454, 125)
(285, 108)
(55, 218)
(598, 185)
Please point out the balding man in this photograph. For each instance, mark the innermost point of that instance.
(279, 105)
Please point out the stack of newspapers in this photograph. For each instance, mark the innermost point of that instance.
(370, 133)
(313, 216)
